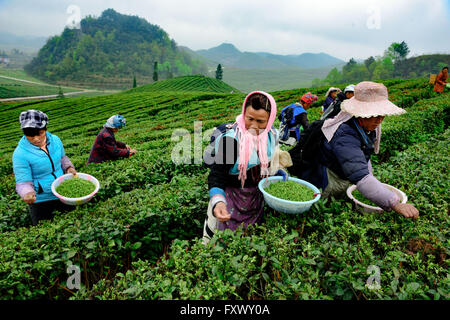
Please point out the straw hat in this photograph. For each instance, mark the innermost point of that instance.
(370, 100)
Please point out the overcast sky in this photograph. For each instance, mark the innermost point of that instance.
(344, 29)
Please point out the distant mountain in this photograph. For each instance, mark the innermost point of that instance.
(194, 55)
(112, 48)
(229, 56)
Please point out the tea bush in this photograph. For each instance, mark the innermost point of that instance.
(100, 239)
(323, 254)
(138, 238)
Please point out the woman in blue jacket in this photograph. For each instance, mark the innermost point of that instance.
(38, 160)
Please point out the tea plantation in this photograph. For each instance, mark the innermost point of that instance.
(140, 237)
(188, 83)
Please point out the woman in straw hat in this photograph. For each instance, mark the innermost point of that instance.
(351, 138)
(241, 160)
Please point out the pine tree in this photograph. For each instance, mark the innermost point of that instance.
(60, 93)
(134, 82)
(219, 72)
(155, 71)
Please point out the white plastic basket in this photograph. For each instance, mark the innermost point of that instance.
(285, 205)
(362, 207)
(75, 201)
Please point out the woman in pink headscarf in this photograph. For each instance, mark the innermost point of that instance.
(242, 156)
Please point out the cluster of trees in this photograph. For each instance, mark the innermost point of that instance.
(372, 68)
(393, 64)
(13, 52)
(113, 45)
(16, 58)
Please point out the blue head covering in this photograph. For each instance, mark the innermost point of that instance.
(115, 122)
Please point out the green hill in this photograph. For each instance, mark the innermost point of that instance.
(139, 237)
(109, 50)
(188, 83)
(421, 66)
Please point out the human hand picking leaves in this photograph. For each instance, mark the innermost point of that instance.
(407, 210)
(30, 197)
(221, 212)
(133, 152)
(72, 171)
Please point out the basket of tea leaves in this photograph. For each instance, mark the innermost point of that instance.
(365, 205)
(75, 190)
(291, 196)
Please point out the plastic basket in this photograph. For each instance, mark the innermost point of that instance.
(362, 207)
(287, 206)
(75, 201)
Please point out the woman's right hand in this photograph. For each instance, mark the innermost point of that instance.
(221, 212)
(30, 197)
(407, 210)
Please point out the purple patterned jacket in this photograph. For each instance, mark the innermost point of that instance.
(107, 148)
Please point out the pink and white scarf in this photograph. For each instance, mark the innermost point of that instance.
(330, 126)
(248, 142)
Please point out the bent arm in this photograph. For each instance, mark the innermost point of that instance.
(121, 145)
(112, 148)
(23, 176)
(441, 79)
(66, 163)
(302, 119)
(224, 160)
(24, 188)
(374, 190)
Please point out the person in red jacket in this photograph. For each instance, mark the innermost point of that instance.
(106, 147)
(441, 80)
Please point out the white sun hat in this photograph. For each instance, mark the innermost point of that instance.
(349, 88)
(370, 100)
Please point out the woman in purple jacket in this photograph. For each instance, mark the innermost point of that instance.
(106, 147)
(329, 97)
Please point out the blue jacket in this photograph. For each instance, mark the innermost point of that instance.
(31, 163)
(347, 154)
(296, 121)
